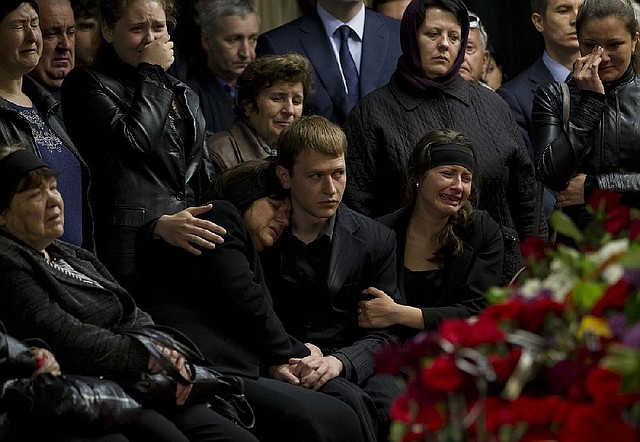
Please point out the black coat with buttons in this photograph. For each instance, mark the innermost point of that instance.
(120, 118)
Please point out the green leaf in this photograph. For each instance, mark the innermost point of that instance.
(626, 362)
(497, 294)
(564, 225)
(631, 258)
(586, 294)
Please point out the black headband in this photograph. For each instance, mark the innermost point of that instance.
(451, 154)
(14, 167)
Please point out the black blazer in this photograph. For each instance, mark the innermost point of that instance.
(306, 35)
(466, 276)
(219, 299)
(362, 255)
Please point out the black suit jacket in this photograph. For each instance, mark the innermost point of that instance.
(218, 299)
(306, 35)
(362, 255)
(518, 93)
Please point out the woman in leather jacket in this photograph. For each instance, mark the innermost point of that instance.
(599, 145)
(142, 133)
(28, 115)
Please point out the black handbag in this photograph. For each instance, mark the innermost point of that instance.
(80, 402)
(223, 393)
(16, 360)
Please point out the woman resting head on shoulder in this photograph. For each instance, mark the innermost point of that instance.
(449, 254)
(253, 188)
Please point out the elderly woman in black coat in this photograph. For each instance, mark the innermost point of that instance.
(426, 92)
(62, 294)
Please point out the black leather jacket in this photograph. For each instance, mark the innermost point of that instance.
(121, 119)
(14, 128)
(602, 139)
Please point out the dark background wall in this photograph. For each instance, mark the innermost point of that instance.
(511, 33)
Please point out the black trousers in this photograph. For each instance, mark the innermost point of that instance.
(294, 414)
(371, 401)
(196, 423)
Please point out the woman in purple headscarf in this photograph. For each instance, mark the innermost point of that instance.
(426, 92)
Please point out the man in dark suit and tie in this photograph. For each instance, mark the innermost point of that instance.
(319, 268)
(353, 51)
(556, 22)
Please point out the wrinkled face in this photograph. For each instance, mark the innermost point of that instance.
(59, 39)
(36, 216)
(558, 24)
(87, 39)
(618, 44)
(475, 57)
(444, 190)
(143, 22)
(276, 108)
(317, 183)
(439, 39)
(232, 47)
(20, 41)
(265, 219)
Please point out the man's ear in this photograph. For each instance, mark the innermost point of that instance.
(107, 33)
(283, 176)
(537, 21)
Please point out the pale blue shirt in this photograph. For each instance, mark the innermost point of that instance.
(558, 71)
(331, 25)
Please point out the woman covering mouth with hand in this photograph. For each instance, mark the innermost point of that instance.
(448, 253)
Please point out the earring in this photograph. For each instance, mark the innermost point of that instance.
(417, 185)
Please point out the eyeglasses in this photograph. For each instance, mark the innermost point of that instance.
(474, 21)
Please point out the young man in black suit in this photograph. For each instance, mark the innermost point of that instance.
(319, 268)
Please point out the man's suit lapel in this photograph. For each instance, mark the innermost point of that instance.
(375, 46)
(319, 52)
(346, 250)
(540, 75)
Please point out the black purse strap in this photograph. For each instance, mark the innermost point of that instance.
(152, 336)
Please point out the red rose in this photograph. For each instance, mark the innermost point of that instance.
(534, 313)
(431, 417)
(463, 333)
(589, 423)
(400, 410)
(614, 297)
(617, 219)
(504, 365)
(503, 311)
(610, 200)
(498, 413)
(604, 386)
(442, 375)
(533, 247)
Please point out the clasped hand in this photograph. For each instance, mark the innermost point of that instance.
(312, 371)
(182, 391)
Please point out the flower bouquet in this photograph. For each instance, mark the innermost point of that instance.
(555, 356)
